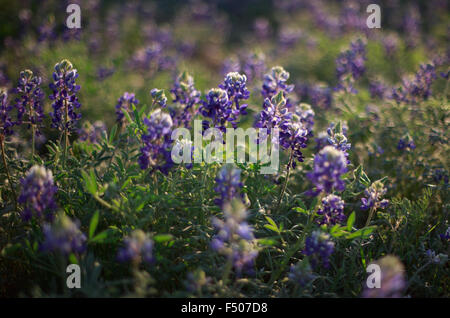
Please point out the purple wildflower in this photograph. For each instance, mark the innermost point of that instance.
(318, 248)
(6, 123)
(446, 235)
(306, 115)
(155, 152)
(350, 66)
(92, 132)
(320, 96)
(378, 89)
(329, 165)
(418, 88)
(29, 102)
(392, 282)
(234, 238)
(186, 97)
(63, 236)
(254, 66)
(138, 247)
(228, 184)
(406, 143)
(373, 197)
(37, 196)
(301, 273)
(275, 82)
(332, 210)
(158, 97)
(124, 105)
(65, 101)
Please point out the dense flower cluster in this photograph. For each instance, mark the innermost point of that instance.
(392, 282)
(329, 165)
(350, 65)
(63, 236)
(318, 248)
(65, 101)
(235, 238)
(306, 115)
(124, 105)
(301, 273)
(29, 102)
(138, 247)
(158, 97)
(223, 104)
(378, 89)
(374, 196)
(228, 184)
(6, 122)
(37, 196)
(337, 138)
(418, 88)
(186, 97)
(275, 82)
(92, 132)
(332, 210)
(156, 152)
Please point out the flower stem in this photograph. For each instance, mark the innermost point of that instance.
(283, 190)
(66, 135)
(2, 146)
(33, 142)
(371, 212)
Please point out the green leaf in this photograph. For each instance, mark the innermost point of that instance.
(271, 227)
(267, 241)
(93, 224)
(351, 221)
(362, 233)
(90, 181)
(161, 238)
(101, 237)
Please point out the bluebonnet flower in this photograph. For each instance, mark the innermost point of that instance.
(124, 105)
(350, 66)
(440, 175)
(235, 85)
(390, 44)
(63, 236)
(158, 97)
(306, 116)
(105, 72)
(138, 247)
(231, 64)
(156, 151)
(37, 196)
(320, 96)
(337, 138)
(318, 248)
(411, 26)
(275, 82)
(228, 184)
(445, 236)
(332, 210)
(254, 66)
(186, 97)
(329, 165)
(6, 122)
(223, 104)
(406, 143)
(392, 282)
(29, 102)
(374, 195)
(294, 138)
(439, 259)
(262, 28)
(235, 238)
(418, 87)
(301, 273)
(378, 89)
(92, 132)
(65, 100)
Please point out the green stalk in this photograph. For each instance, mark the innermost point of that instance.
(371, 213)
(283, 190)
(2, 146)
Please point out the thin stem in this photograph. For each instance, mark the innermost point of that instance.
(371, 212)
(33, 141)
(283, 190)
(2, 146)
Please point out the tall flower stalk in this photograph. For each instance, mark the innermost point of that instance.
(29, 104)
(6, 125)
(65, 101)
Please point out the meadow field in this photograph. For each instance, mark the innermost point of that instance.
(91, 97)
